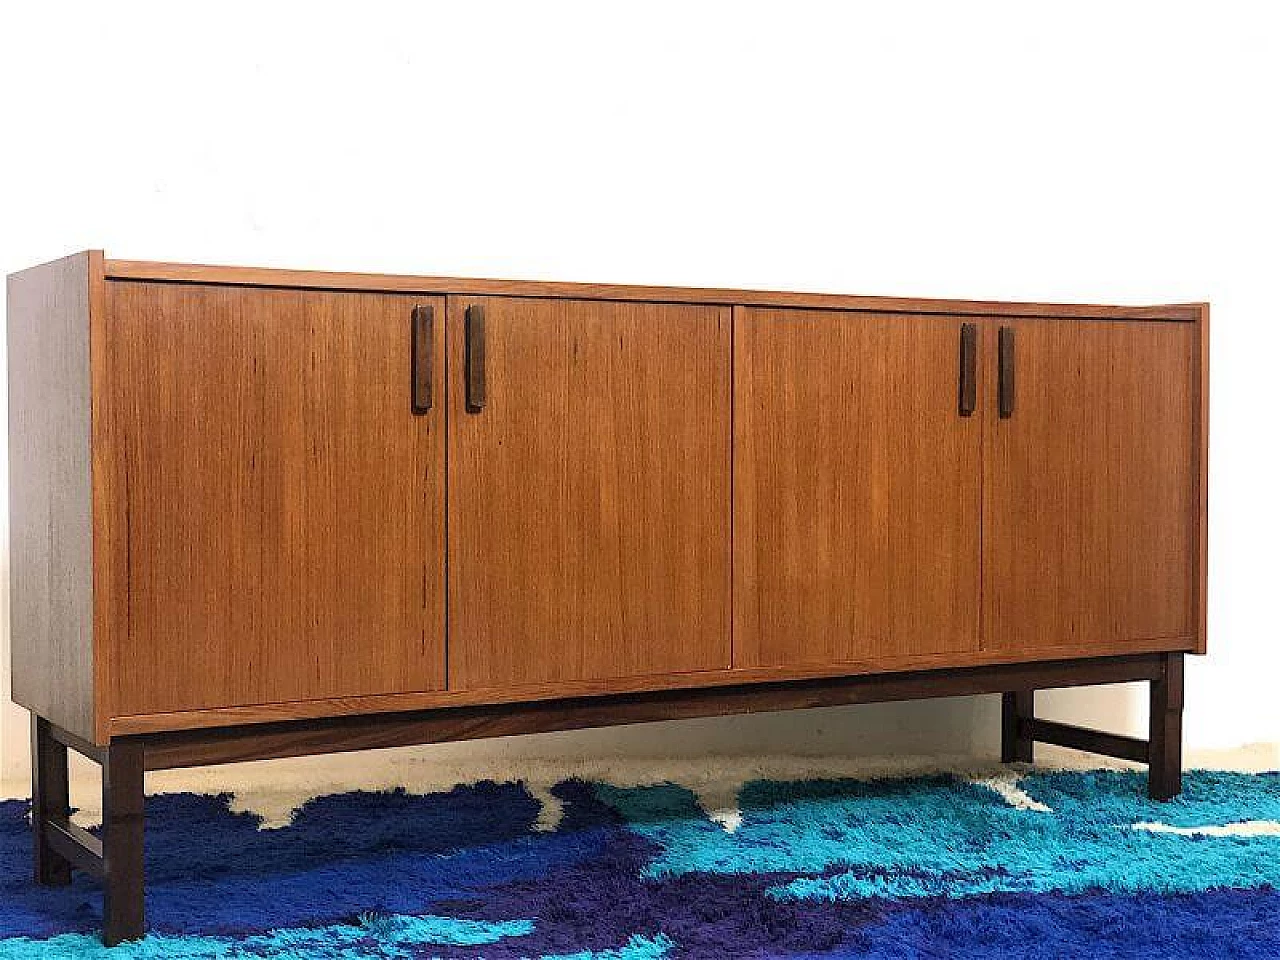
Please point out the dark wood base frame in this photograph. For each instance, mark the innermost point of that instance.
(117, 858)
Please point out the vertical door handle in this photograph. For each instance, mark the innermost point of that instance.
(1006, 373)
(421, 350)
(968, 369)
(475, 358)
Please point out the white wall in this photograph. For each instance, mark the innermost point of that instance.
(1088, 151)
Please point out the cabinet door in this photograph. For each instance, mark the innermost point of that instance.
(589, 496)
(856, 489)
(1090, 485)
(278, 506)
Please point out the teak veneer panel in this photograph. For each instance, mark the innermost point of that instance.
(856, 489)
(1091, 487)
(589, 499)
(50, 311)
(327, 280)
(281, 508)
(1199, 575)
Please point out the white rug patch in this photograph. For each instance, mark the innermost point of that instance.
(1246, 828)
(729, 818)
(719, 800)
(276, 808)
(1005, 785)
(550, 809)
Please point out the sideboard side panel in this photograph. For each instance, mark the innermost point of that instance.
(1200, 587)
(50, 505)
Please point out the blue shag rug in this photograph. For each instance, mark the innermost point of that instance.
(1067, 864)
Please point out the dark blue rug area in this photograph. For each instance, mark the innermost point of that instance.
(1067, 864)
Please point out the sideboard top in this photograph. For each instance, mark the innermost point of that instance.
(322, 280)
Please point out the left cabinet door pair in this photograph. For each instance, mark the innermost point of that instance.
(279, 508)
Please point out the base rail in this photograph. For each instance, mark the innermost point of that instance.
(1161, 751)
(117, 857)
(1086, 739)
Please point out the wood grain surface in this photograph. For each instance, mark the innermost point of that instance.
(281, 508)
(1091, 487)
(1200, 571)
(462, 286)
(589, 498)
(856, 489)
(50, 308)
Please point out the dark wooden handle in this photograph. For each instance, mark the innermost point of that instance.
(968, 369)
(422, 347)
(1006, 373)
(475, 358)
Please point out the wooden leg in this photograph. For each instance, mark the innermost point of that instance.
(1164, 776)
(122, 811)
(49, 799)
(1015, 745)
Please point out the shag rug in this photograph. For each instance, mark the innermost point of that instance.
(1036, 864)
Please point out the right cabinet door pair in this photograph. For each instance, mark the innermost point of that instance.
(884, 509)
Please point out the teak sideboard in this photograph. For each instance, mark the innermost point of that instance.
(264, 513)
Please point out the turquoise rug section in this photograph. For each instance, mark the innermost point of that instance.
(1056, 864)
